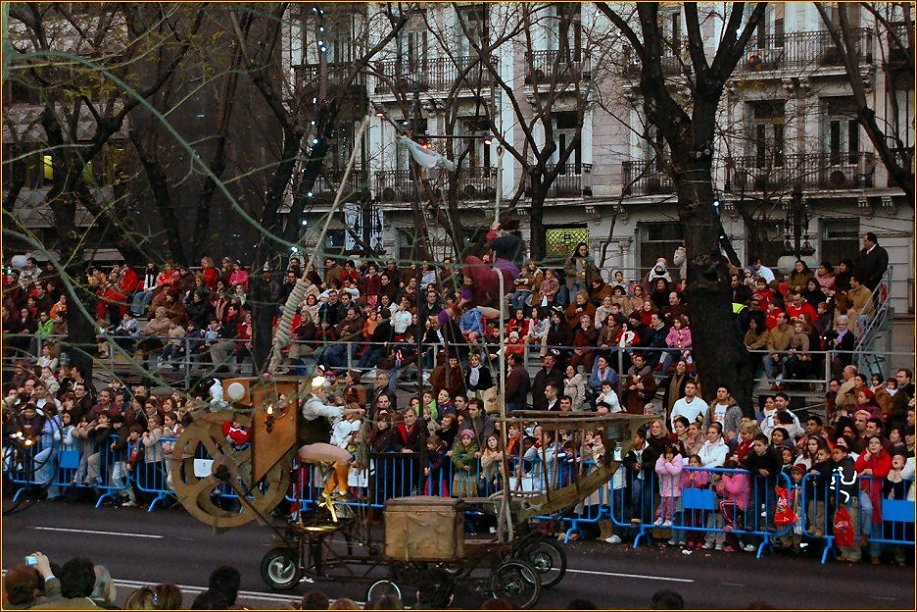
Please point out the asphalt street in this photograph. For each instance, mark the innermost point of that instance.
(170, 546)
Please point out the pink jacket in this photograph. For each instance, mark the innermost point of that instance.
(735, 487)
(679, 338)
(695, 479)
(669, 476)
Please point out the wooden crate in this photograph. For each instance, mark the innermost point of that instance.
(424, 528)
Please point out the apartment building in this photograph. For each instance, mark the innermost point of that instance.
(788, 125)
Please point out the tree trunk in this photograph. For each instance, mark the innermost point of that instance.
(537, 244)
(714, 331)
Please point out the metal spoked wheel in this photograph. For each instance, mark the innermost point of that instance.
(548, 559)
(381, 588)
(280, 569)
(518, 582)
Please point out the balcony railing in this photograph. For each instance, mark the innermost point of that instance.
(436, 74)
(327, 183)
(398, 186)
(555, 66)
(307, 75)
(394, 185)
(904, 157)
(672, 64)
(812, 49)
(810, 170)
(572, 181)
(646, 178)
(477, 183)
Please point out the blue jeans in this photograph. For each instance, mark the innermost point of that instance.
(771, 368)
(520, 297)
(865, 522)
(141, 302)
(370, 357)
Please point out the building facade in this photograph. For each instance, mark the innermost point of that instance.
(788, 124)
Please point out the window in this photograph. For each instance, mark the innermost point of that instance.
(565, 128)
(657, 240)
(767, 133)
(842, 131)
(569, 30)
(840, 238)
(474, 18)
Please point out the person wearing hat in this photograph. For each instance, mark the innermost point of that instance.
(314, 433)
(464, 481)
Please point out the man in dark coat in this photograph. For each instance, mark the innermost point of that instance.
(550, 373)
(517, 384)
(871, 263)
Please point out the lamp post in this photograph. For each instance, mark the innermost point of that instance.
(796, 243)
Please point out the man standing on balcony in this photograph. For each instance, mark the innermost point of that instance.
(871, 263)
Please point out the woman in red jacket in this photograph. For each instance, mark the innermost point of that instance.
(874, 464)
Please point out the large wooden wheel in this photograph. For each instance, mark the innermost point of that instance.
(206, 467)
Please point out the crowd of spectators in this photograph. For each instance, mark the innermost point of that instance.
(575, 320)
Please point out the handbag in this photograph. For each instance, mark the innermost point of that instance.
(843, 529)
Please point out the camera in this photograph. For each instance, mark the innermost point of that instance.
(31, 560)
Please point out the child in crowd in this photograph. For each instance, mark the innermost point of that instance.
(817, 491)
(732, 490)
(434, 471)
(695, 478)
(609, 397)
(491, 459)
(464, 482)
(668, 467)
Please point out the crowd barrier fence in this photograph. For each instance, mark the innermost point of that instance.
(630, 500)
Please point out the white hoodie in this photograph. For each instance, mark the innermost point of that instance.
(713, 455)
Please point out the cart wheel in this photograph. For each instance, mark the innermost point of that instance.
(381, 588)
(548, 559)
(280, 569)
(518, 582)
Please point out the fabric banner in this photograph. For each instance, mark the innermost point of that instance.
(426, 157)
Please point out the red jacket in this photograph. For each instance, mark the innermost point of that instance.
(880, 464)
(129, 282)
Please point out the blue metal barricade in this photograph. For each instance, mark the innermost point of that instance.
(109, 465)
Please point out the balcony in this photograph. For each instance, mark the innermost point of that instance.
(437, 74)
(646, 178)
(546, 67)
(398, 186)
(797, 50)
(572, 181)
(394, 185)
(904, 157)
(825, 171)
(672, 65)
(327, 183)
(477, 183)
(307, 78)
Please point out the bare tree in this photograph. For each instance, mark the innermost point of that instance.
(91, 65)
(894, 30)
(688, 126)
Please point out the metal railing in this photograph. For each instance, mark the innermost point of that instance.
(572, 181)
(439, 74)
(548, 67)
(646, 178)
(337, 74)
(796, 50)
(703, 511)
(328, 182)
(810, 170)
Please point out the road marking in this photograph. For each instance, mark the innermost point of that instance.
(148, 536)
(641, 576)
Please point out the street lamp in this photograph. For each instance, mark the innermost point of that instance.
(796, 225)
